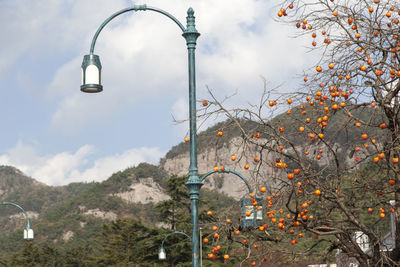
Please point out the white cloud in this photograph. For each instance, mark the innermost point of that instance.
(180, 112)
(104, 167)
(51, 25)
(66, 81)
(66, 167)
(143, 55)
(56, 169)
(76, 111)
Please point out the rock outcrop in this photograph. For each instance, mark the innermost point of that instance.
(144, 191)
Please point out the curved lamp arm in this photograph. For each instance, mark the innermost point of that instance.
(161, 254)
(134, 8)
(227, 170)
(91, 66)
(28, 231)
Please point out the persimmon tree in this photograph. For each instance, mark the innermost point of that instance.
(224, 240)
(331, 157)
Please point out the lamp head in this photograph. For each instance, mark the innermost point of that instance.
(161, 254)
(28, 233)
(91, 74)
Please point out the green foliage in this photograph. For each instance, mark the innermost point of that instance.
(120, 181)
(126, 242)
(209, 138)
(174, 211)
(79, 256)
(36, 256)
(145, 170)
(62, 209)
(338, 129)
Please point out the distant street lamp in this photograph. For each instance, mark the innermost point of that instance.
(28, 231)
(91, 83)
(256, 217)
(162, 255)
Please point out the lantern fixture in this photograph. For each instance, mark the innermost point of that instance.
(91, 74)
(28, 232)
(161, 254)
(256, 217)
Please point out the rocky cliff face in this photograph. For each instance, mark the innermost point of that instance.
(260, 173)
(144, 191)
(214, 156)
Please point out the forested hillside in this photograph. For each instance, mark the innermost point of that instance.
(87, 223)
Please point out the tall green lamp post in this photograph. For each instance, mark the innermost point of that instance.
(91, 83)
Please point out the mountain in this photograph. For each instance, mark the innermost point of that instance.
(74, 214)
(214, 150)
(61, 213)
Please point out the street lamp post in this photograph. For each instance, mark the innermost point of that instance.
(162, 254)
(91, 83)
(28, 231)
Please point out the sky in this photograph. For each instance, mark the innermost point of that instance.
(56, 134)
